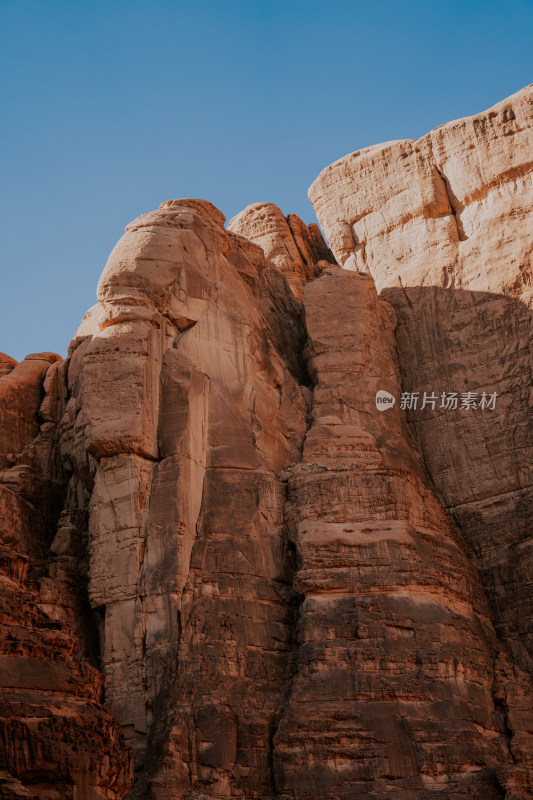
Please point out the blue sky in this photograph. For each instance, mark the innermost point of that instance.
(110, 108)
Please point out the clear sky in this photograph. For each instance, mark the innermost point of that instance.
(110, 108)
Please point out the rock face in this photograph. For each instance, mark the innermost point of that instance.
(293, 247)
(190, 426)
(397, 656)
(443, 224)
(287, 588)
(56, 738)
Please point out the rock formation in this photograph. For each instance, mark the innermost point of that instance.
(227, 571)
(293, 247)
(56, 738)
(448, 238)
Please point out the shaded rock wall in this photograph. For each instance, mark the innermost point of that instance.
(400, 675)
(56, 738)
(190, 415)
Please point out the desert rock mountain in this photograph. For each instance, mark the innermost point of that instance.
(287, 242)
(226, 570)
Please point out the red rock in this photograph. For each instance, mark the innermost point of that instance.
(397, 656)
(284, 590)
(6, 364)
(56, 738)
(189, 427)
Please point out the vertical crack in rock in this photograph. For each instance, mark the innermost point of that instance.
(455, 209)
(291, 668)
(56, 737)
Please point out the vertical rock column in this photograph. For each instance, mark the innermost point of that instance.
(395, 684)
(56, 738)
(184, 415)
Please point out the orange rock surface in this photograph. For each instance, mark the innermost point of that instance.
(294, 248)
(227, 571)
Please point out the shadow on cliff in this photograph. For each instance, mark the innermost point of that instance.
(454, 340)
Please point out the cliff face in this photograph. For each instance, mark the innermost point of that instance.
(228, 571)
(445, 229)
(57, 740)
(190, 414)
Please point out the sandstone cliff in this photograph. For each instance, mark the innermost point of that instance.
(294, 248)
(445, 229)
(225, 571)
(56, 738)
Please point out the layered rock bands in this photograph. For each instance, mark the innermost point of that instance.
(227, 571)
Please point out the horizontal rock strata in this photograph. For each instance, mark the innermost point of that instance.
(398, 663)
(443, 224)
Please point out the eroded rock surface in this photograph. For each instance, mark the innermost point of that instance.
(56, 738)
(226, 572)
(189, 415)
(398, 663)
(444, 226)
(293, 247)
